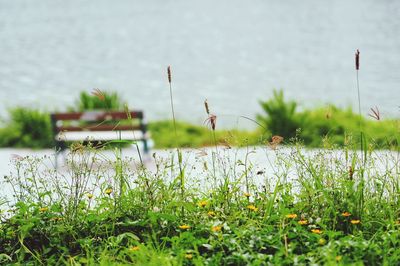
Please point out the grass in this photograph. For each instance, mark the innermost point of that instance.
(308, 210)
(300, 207)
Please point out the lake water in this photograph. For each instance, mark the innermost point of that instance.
(231, 52)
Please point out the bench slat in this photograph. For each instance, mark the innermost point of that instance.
(97, 116)
(99, 128)
(100, 136)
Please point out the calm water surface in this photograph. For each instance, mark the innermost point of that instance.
(231, 52)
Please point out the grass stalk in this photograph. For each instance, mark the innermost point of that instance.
(181, 175)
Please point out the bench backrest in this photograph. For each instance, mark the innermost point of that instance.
(98, 121)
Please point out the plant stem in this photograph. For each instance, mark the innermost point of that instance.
(181, 176)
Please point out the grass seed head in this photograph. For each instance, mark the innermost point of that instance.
(206, 106)
(357, 59)
(169, 74)
(99, 94)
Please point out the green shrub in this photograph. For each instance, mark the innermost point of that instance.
(325, 125)
(194, 136)
(107, 100)
(281, 117)
(27, 128)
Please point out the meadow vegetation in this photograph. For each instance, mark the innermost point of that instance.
(331, 206)
(31, 128)
(327, 207)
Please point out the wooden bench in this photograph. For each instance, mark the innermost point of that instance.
(99, 126)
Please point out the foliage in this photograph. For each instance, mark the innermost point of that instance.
(99, 100)
(337, 124)
(194, 136)
(341, 212)
(319, 126)
(26, 127)
(29, 127)
(281, 117)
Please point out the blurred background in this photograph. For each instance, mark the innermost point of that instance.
(231, 52)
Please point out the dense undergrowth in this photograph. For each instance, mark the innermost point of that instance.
(326, 207)
(31, 128)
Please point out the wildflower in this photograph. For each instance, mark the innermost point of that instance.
(346, 214)
(338, 258)
(316, 231)
(135, 248)
(211, 214)
(291, 216)
(184, 227)
(355, 221)
(302, 222)
(189, 256)
(322, 241)
(252, 208)
(216, 228)
(202, 203)
(108, 191)
(89, 195)
(398, 222)
(247, 195)
(56, 219)
(43, 209)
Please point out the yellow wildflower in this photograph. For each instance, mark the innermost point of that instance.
(202, 203)
(397, 222)
(346, 214)
(338, 258)
(316, 231)
(43, 209)
(216, 228)
(247, 195)
(291, 216)
(322, 241)
(355, 221)
(108, 191)
(303, 222)
(135, 248)
(189, 256)
(184, 227)
(252, 208)
(211, 214)
(89, 195)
